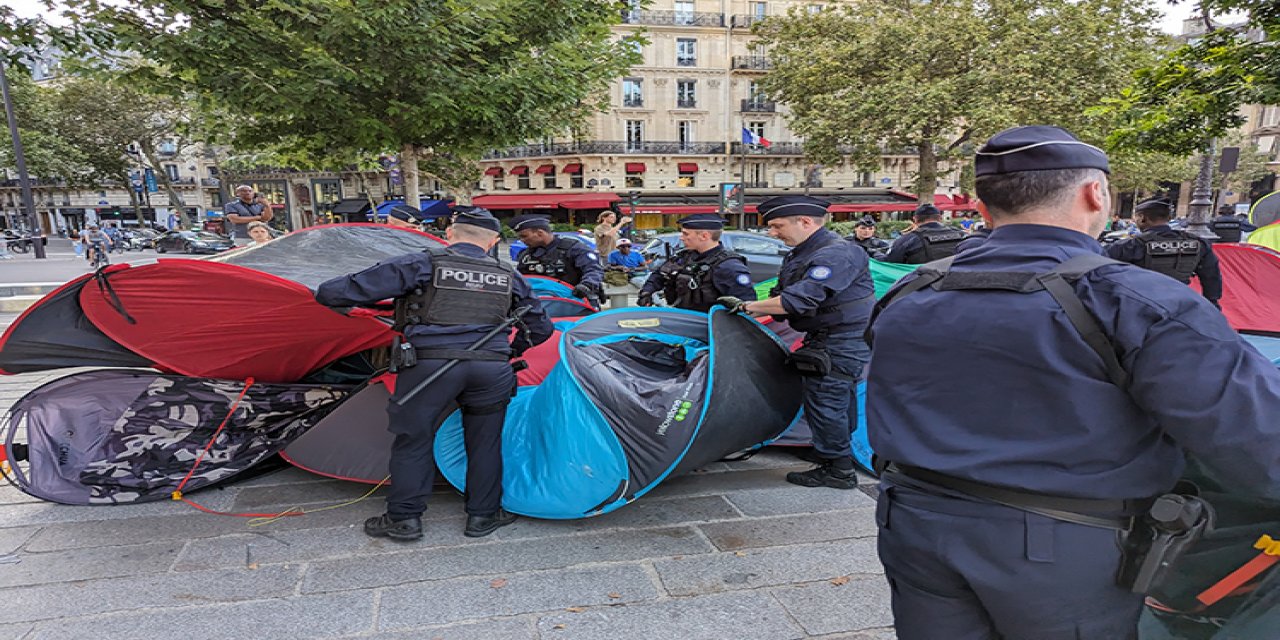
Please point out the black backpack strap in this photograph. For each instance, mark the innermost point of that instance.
(926, 275)
(1057, 282)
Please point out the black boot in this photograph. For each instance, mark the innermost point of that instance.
(480, 526)
(828, 474)
(402, 530)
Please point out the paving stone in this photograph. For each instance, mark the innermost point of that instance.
(296, 617)
(16, 631)
(477, 597)
(11, 495)
(728, 571)
(741, 616)
(253, 498)
(644, 513)
(789, 498)
(307, 545)
(82, 598)
(86, 564)
(49, 512)
(286, 475)
(859, 604)
(501, 557)
(721, 483)
(786, 530)
(12, 538)
(521, 628)
(885, 633)
(770, 458)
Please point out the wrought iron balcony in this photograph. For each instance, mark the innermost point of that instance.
(755, 105)
(633, 101)
(686, 62)
(674, 18)
(619, 147)
(210, 182)
(774, 149)
(754, 63)
(744, 21)
(686, 103)
(755, 185)
(183, 180)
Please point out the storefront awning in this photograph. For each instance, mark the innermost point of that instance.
(572, 168)
(546, 201)
(545, 169)
(872, 206)
(688, 167)
(520, 171)
(493, 171)
(635, 167)
(681, 209)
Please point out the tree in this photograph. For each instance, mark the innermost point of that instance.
(322, 79)
(1194, 94)
(1251, 167)
(936, 76)
(48, 152)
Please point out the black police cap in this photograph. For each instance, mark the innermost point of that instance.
(1160, 206)
(531, 222)
(702, 222)
(927, 211)
(787, 206)
(476, 217)
(866, 222)
(1037, 148)
(405, 212)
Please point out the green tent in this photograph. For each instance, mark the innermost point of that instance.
(884, 274)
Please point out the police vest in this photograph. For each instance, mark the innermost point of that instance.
(875, 247)
(554, 263)
(1227, 228)
(463, 290)
(687, 281)
(1176, 256)
(935, 244)
(835, 313)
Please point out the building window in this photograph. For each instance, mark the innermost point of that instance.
(167, 148)
(684, 12)
(172, 171)
(635, 179)
(635, 136)
(499, 183)
(686, 136)
(522, 182)
(575, 180)
(686, 94)
(757, 128)
(632, 95)
(758, 10)
(549, 179)
(637, 47)
(686, 52)
(632, 13)
(815, 8)
(755, 94)
(687, 179)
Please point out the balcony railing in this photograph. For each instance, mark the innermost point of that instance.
(686, 62)
(619, 147)
(686, 103)
(184, 180)
(755, 63)
(755, 185)
(774, 149)
(210, 182)
(744, 21)
(674, 18)
(633, 102)
(754, 105)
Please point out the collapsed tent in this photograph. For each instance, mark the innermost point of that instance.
(557, 298)
(1266, 210)
(1250, 287)
(119, 436)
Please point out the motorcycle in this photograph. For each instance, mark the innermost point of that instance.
(19, 243)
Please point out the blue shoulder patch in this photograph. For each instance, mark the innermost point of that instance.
(819, 273)
(593, 255)
(744, 279)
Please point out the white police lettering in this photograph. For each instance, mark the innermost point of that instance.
(1177, 246)
(819, 273)
(744, 279)
(476, 280)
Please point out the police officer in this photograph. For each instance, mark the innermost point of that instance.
(999, 518)
(864, 235)
(447, 299)
(564, 259)
(975, 239)
(825, 290)
(930, 239)
(403, 215)
(1173, 252)
(1229, 226)
(702, 272)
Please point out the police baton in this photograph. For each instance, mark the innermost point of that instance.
(505, 326)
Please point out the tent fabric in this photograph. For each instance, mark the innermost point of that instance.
(431, 209)
(1250, 286)
(122, 436)
(1268, 236)
(1265, 211)
(884, 275)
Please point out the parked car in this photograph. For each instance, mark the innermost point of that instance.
(518, 246)
(193, 242)
(763, 253)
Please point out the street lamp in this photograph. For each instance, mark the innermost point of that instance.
(20, 160)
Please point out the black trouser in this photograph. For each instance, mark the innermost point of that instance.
(482, 388)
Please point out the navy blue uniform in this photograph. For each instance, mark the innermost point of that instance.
(910, 248)
(876, 248)
(974, 240)
(582, 265)
(825, 286)
(728, 276)
(999, 388)
(1231, 227)
(480, 387)
(1134, 251)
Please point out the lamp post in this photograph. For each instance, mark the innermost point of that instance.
(1201, 204)
(20, 160)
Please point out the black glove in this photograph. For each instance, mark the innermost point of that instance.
(734, 305)
(583, 291)
(645, 299)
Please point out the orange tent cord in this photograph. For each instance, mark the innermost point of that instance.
(1270, 555)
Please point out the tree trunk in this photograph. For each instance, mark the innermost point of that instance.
(137, 205)
(409, 174)
(162, 177)
(927, 174)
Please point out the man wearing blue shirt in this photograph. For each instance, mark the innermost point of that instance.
(630, 262)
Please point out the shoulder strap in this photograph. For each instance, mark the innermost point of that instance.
(926, 275)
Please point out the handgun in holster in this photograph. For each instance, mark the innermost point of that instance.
(1158, 539)
(403, 355)
(812, 358)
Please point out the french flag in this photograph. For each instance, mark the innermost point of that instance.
(750, 137)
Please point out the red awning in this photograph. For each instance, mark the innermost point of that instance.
(493, 171)
(520, 171)
(545, 169)
(872, 206)
(598, 201)
(682, 209)
(572, 168)
(635, 167)
(546, 201)
(688, 167)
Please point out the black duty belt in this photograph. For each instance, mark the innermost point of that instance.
(462, 354)
(1109, 514)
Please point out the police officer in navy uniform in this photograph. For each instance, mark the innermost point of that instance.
(824, 290)
(864, 235)
(402, 215)
(930, 240)
(975, 239)
(999, 511)
(564, 259)
(702, 272)
(1229, 226)
(446, 300)
(1173, 252)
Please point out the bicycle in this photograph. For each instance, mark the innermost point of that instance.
(101, 257)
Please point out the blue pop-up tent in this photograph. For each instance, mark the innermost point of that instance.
(431, 209)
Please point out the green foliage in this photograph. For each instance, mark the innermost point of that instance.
(940, 76)
(1178, 104)
(49, 154)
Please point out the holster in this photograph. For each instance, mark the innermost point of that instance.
(402, 356)
(1158, 539)
(811, 360)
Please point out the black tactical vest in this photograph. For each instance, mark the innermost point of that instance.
(463, 290)
(1227, 228)
(1176, 256)
(554, 263)
(935, 244)
(687, 282)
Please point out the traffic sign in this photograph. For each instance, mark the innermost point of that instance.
(149, 175)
